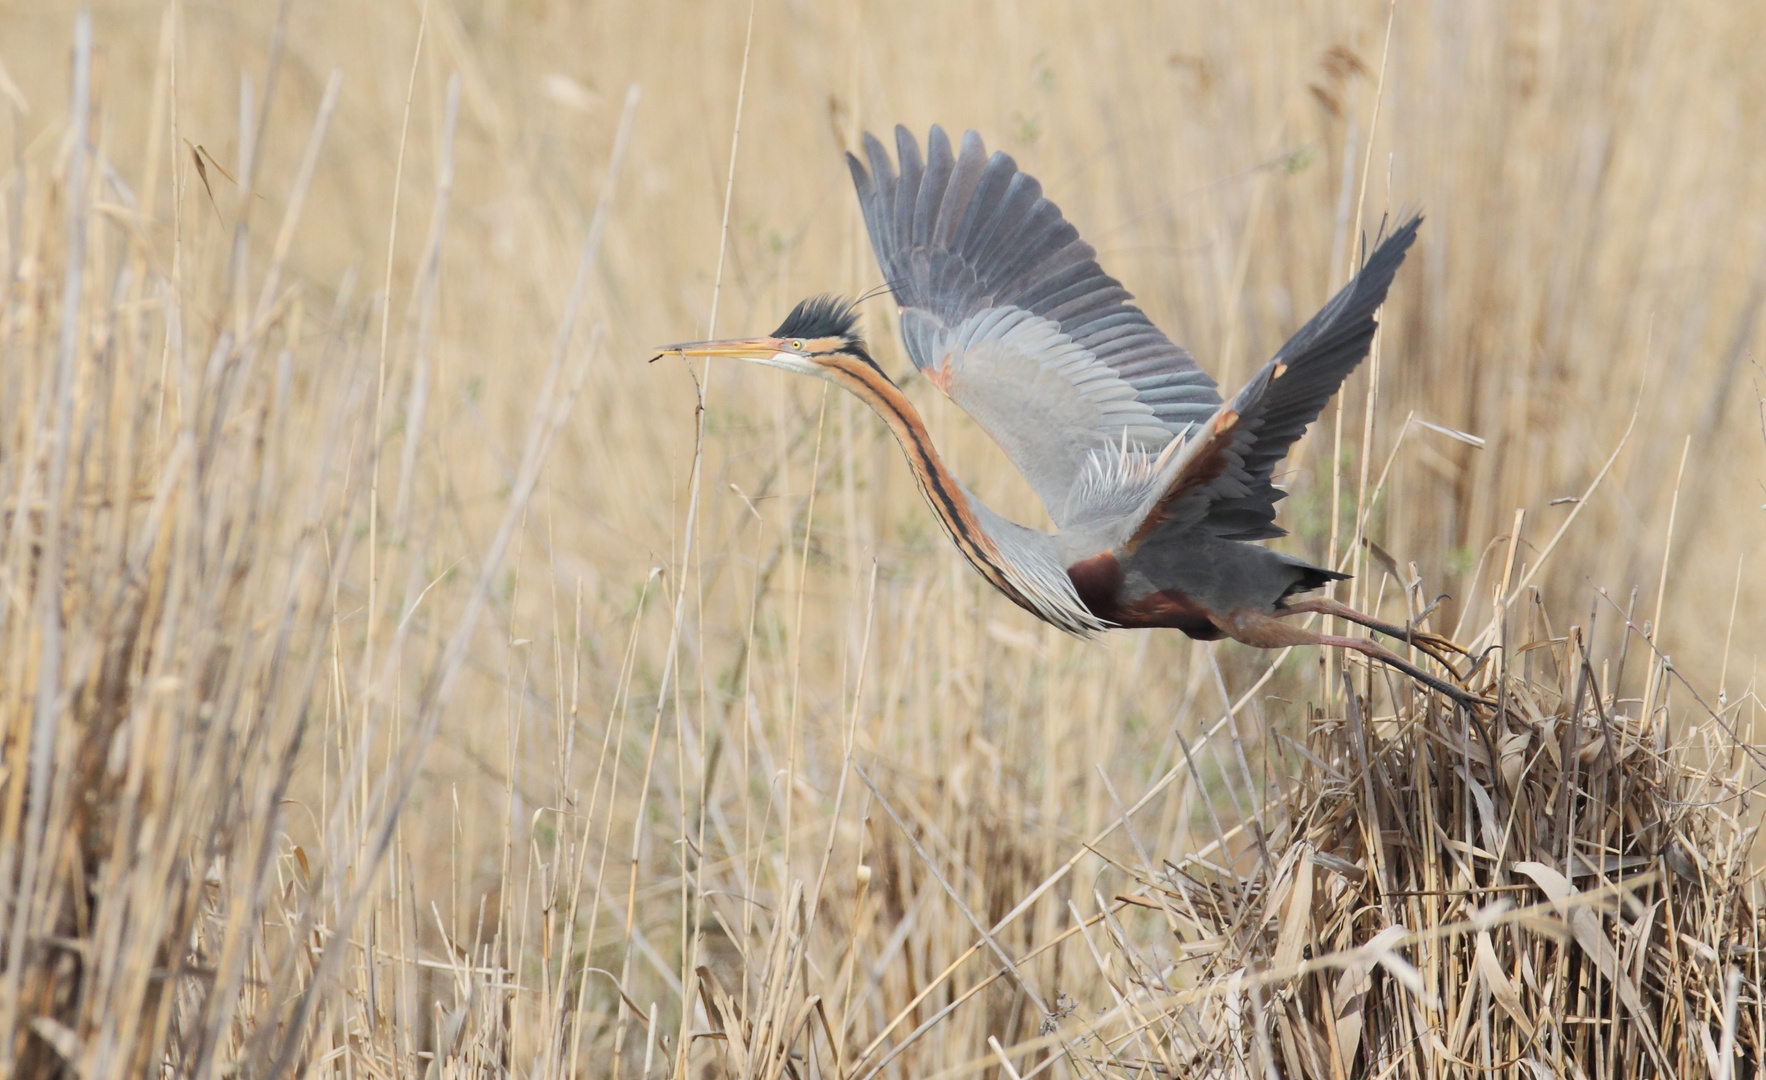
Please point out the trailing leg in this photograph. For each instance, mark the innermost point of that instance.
(1433, 644)
(1270, 632)
(1385, 656)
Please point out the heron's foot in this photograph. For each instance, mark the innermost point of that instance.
(1420, 638)
(1438, 649)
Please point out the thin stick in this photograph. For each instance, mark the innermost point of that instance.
(619, 710)
(1373, 128)
(49, 568)
(297, 198)
(858, 691)
(1655, 625)
(689, 950)
(1006, 1062)
(815, 472)
(1326, 690)
(392, 245)
(428, 276)
(1729, 634)
(1668, 541)
(1235, 317)
(723, 232)
(174, 306)
(1357, 552)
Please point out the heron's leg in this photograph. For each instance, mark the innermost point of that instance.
(1385, 656)
(1433, 644)
(1269, 632)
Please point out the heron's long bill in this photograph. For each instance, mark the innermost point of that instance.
(754, 348)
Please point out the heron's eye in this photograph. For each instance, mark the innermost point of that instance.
(797, 344)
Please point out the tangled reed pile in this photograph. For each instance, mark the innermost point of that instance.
(1556, 886)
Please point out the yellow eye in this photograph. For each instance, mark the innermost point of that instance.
(797, 343)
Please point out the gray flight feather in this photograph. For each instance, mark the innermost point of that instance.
(1006, 309)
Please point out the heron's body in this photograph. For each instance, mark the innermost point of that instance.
(1158, 489)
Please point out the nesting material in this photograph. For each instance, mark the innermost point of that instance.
(1559, 885)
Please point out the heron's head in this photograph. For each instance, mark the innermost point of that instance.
(819, 337)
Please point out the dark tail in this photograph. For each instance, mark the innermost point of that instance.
(1312, 577)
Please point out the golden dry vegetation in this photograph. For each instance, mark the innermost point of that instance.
(402, 677)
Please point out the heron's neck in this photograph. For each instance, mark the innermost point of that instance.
(950, 501)
(1020, 562)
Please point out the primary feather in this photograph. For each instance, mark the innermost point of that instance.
(1005, 308)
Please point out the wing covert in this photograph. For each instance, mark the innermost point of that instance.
(1004, 308)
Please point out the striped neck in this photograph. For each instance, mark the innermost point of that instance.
(960, 515)
(948, 499)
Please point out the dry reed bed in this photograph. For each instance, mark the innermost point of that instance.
(1555, 887)
(771, 811)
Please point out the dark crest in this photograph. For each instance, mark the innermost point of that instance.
(821, 317)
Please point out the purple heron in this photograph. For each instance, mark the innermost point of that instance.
(1158, 489)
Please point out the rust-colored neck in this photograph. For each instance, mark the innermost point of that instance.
(949, 501)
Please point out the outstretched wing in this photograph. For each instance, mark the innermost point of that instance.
(1224, 483)
(1005, 309)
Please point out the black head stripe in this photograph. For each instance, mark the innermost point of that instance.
(820, 317)
(855, 347)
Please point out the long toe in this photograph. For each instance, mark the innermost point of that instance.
(1438, 641)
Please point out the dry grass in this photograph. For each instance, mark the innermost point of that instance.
(397, 675)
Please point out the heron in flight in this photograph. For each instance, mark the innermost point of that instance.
(1158, 489)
